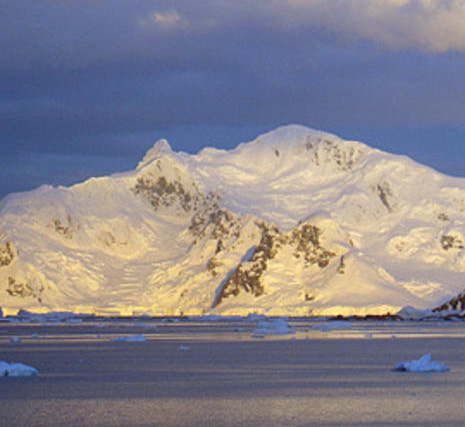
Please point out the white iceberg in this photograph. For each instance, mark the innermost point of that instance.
(272, 327)
(146, 326)
(330, 326)
(423, 364)
(130, 338)
(17, 370)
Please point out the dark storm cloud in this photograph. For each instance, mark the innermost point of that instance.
(87, 83)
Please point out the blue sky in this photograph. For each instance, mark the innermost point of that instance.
(87, 86)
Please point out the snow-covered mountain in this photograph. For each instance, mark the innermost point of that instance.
(296, 222)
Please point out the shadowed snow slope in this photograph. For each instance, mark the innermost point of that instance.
(296, 222)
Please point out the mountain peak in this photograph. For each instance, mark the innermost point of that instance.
(293, 146)
(292, 133)
(161, 146)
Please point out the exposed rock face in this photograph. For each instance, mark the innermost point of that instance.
(23, 290)
(7, 254)
(449, 241)
(455, 304)
(246, 277)
(161, 192)
(385, 193)
(209, 218)
(325, 150)
(66, 228)
(304, 241)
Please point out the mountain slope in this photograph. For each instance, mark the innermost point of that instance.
(295, 222)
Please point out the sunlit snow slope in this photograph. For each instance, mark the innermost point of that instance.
(296, 222)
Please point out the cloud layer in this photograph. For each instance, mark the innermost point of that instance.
(82, 79)
(431, 25)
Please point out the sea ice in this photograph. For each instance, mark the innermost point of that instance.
(131, 338)
(146, 326)
(254, 317)
(183, 348)
(74, 320)
(423, 364)
(330, 326)
(17, 370)
(272, 327)
(170, 320)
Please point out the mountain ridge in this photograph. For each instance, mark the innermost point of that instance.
(296, 222)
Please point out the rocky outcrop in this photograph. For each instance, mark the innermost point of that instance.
(326, 151)
(247, 276)
(449, 241)
(19, 289)
(7, 254)
(383, 189)
(160, 191)
(456, 304)
(304, 241)
(66, 228)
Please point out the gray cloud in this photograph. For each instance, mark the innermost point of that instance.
(105, 78)
(429, 25)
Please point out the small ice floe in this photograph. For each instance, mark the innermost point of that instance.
(210, 318)
(368, 336)
(254, 317)
(34, 335)
(170, 320)
(183, 348)
(17, 370)
(146, 326)
(74, 320)
(331, 326)
(272, 327)
(423, 364)
(130, 338)
(24, 316)
(15, 340)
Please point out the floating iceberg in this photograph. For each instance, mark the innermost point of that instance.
(330, 326)
(17, 370)
(423, 364)
(146, 326)
(272, 327)
(131, 338)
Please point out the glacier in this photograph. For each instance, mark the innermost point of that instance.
(297, 222)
